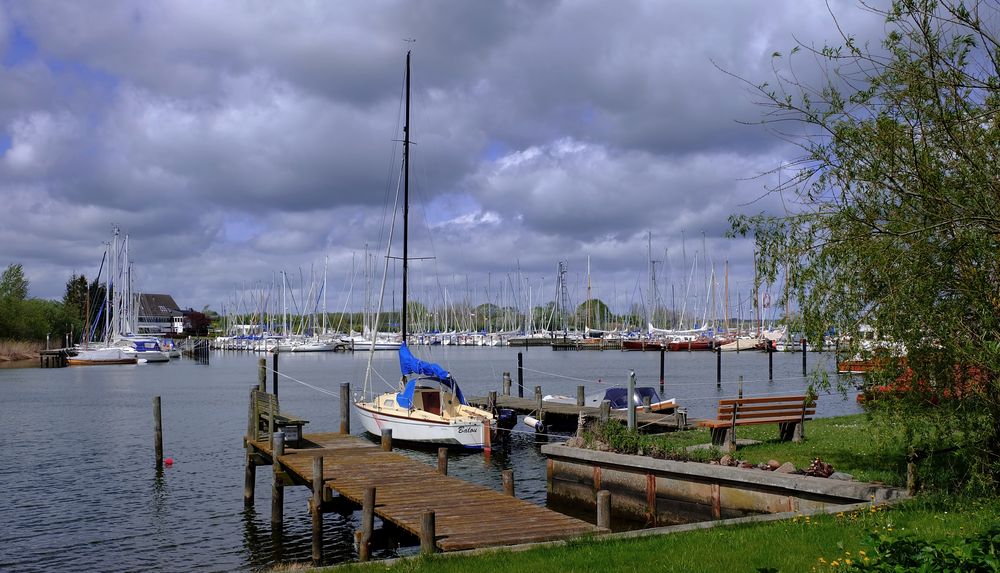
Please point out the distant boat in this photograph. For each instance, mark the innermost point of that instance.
(99, 356)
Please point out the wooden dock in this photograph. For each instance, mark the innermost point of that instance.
(566, 415)
(467, 515)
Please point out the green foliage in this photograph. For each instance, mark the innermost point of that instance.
(891, 552)
(23, 318)
(897, 218)
(616, 437)
(13, 284)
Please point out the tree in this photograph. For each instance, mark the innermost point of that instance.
(897, 218)
(197, 323)
(592, 313)
(13, 284)
(75, 298)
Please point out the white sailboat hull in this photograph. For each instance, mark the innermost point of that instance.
(466, 434)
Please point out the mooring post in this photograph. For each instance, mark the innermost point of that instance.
(427, 533)
(804, 372)
(345, 408)
(604, 509)
(506, 383)
(278, 487)
(367, 524)
(262, 374)
(520, 375)
(158, 431)
(274, 372)
(605, 410)
(443, 461)
(631, 400)
(386, 439)
(538, 399)
(316, 509)
(770, 360)
(647, 406)
(741, 386)
(250, 475)
(663, 353)
(507, 477)
(579, 395)
(491, 401)
(718, 367)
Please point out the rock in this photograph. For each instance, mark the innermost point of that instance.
(575, 442)
(785, 468)
(746, 465)
(842, 476)
(773, 464)
(726, 460)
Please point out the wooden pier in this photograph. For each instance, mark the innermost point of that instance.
(566, 415)
(467, 515)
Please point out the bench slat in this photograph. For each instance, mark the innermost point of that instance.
(771, 408)
(727, 423)
(764, 400)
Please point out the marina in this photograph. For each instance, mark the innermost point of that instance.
(76, 424)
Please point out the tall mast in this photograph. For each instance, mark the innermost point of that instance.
(406, 191)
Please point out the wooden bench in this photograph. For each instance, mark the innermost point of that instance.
(789, 412)
(266, 418)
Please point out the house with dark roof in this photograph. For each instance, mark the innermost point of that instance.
(159, 314)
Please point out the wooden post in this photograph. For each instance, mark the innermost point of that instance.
(580, 399)
(538, 400)
(158, 431)
(386, 439)
(912, 484)
(506, 383)
(663, 353)
(262, 374)
(605, 410)
(277, 488)
(443, 461)
(427, 533)
(316, 509)
(804, 371)
(520, 375)
(274, 372)
(249, 478)
(741, 387)
(367, 524)
(491, 402)
(604, 509)
(345, 408)
(646, 404)
(631, 400)
(718, 367)
(770, 360)
(507, 477)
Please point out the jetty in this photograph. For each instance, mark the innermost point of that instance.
(567, 415)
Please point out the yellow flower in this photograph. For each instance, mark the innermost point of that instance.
(861, 552)
(834, 563)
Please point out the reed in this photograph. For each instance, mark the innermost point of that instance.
(11, 350)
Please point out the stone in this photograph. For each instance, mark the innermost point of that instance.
(785, 468)
(746, 465)
(773, 464)
(842, 476)
(726, 460)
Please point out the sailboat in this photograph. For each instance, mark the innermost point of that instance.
(429, 406)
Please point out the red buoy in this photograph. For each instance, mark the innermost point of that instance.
(169, 461)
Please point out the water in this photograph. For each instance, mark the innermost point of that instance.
(81, 491)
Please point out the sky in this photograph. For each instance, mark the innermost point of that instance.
(236, 141)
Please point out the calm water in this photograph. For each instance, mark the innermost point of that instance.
(80, 490)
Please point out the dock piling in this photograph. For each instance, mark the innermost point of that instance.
(262, 374)
(158, 431)
(580, 395)
(718, 367)
(386, 439)
(520, 375)
(274, 372)
(443, 461)
(427, 533)
(631, 400)
(605, 411)
(804, 371)
(538, 399)
(367, 524)
(647, 404)
(345, 408)
(770, 361)
(663, 353)
(316, 509)
(506, 383)
(507, 477)
(604, 509)
(278, 487)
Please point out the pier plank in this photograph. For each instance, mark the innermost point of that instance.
(467, 515)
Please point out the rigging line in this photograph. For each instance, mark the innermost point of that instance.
(306, 384)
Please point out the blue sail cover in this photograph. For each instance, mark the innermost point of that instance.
(410, 364)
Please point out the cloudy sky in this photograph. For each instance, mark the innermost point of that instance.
(235, 140)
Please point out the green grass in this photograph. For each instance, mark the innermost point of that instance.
(846, 442)
(792, 545)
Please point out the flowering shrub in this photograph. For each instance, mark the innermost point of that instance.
(892, 552)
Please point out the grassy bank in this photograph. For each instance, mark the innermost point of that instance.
(819, 543)
(11, 350)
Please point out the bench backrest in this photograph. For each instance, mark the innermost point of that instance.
(766, 407)
(263, 403)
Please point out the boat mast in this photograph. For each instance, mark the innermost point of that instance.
(406, 191)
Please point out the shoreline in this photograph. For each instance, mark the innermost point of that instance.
(19, 350)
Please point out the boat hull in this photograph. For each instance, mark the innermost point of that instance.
(99, 356)
(470, 435)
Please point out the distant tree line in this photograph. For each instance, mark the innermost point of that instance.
(24, 318)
